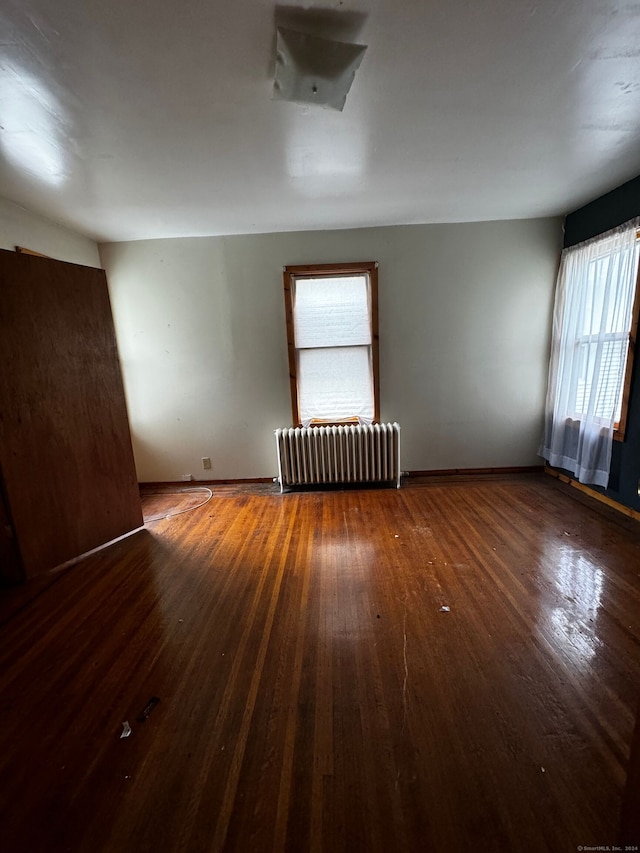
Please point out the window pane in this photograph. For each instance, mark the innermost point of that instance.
(335, 383)
(331, 312)
(608, 294)
(603, 364)
(604, 299)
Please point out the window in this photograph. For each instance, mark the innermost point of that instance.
(606, 325)
(332, 336)
(594, 330)
(630, 348)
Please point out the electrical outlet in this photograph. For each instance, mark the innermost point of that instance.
(206, 462)
(187, 477)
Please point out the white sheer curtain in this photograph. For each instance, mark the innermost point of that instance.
(591, 324)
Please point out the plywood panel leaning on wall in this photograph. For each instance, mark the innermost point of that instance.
(65, 446)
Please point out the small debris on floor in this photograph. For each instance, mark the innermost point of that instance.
(543, 770)
(377, 616)
(445, 609)
(126, 730)
(396, 536)
(148, 708)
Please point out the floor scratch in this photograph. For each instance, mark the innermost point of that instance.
(406, 667)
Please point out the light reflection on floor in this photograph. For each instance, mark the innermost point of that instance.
(573, 621)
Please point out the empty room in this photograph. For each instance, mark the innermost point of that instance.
(319, 426)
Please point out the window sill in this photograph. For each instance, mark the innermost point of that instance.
(316, 422)
(618, 431)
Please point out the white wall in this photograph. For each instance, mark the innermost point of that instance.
(465, 314)
(20, 227)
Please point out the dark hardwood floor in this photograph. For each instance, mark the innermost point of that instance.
(314, 693)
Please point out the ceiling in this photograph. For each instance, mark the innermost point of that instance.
(130, 120)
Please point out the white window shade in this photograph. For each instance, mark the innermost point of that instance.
(601, 366)
(332, 312)
(335, 383)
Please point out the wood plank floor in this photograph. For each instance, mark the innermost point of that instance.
(314, 695)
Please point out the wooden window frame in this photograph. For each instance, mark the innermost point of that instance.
(22, 251)
(621, 427)
(290, 273)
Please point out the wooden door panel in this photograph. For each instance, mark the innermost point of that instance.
(11, 571)
(65, 446)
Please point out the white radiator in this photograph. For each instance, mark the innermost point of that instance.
(338, 454)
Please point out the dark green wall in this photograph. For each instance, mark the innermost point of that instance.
(595, 218)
